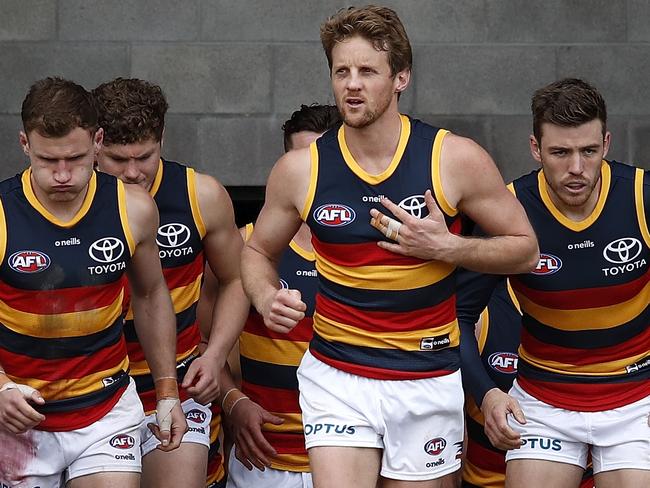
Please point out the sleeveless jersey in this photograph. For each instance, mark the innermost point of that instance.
(379, 314)
(181, 254)
(269, 362)
(61, 300)
(485, 465)
(585, 342)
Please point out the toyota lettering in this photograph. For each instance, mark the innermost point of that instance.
(170, 239)
(106, 251)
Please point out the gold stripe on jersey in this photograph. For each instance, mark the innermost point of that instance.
(334, 331)
(599, 318)
(157, 180)
(605, 179)
(607, 368)
(473, 411)
(124, 218)
(3, 233)
(274, 351)
(484, 321)
(74, 387)
(292, 422)
(435, 175)
(488, 479)
(511, 186)
(407, 277)
(513, 297)
(83, 210)
(194, 202)
(640, 207)
(405, 132)
(61, 325)
(248, 231)
(303, 253)
(313, 180)
(184, 297)
(138, 368)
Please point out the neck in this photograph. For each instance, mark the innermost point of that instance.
(374, 146)
(303, 238)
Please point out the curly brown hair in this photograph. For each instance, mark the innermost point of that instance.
(130, 110)
(568, 103)
(313, 118)
(379, 25)
(55, 106)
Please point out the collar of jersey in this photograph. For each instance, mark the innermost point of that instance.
(605, 179)
(38, 206)
(384, 175)
(156, 181)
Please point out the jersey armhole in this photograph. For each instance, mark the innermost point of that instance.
(436, 180)
(124, 218)
(194, 202)
(248, 231)
(640, 205)
(313, 178)
(511, 186)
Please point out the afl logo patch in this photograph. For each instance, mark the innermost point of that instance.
(122, 441)
(547, 264)
(173, 235)
(283, 284)
(106, 249)
(435, 446)
(196, 416)
(29, 261)
(504, 362)
(334, 215)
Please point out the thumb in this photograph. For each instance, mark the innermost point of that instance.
(272, 419)
(517, 412)
(295, 294)
(31, 394)
(434, 210)
(191, 373)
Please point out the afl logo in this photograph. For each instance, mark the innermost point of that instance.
(106, 249)
(547, 265)
(334, 215)
(29, 261)
(122, 441)
(435, 446)
(173, 235)
(414, 205)
(623, 250)
(283, 284)
(196, 416)
(504, 362)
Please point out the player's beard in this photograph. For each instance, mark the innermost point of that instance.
(368, 116)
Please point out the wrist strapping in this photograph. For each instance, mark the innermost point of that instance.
(166, 387)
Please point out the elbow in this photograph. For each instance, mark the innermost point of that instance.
(531, 257)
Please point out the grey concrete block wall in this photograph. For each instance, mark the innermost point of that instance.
(234, 70)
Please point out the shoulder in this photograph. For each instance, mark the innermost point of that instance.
(141, 209)
(458, 150)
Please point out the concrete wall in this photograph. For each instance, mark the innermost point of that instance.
(234, 69)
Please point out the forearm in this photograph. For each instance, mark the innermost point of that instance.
(228, 319)
(495, 255)
(259, 276)
(155, 324)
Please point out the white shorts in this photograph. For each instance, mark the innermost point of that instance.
(240, 477)
(198, 422)
(619, 438)
(417, 423)
(50, 459)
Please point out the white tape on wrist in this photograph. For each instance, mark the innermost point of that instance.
(164, 409)
(26, 390)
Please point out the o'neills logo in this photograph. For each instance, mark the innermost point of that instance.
(547, 264)
(122, 441)
(29, 261)
(334, 215)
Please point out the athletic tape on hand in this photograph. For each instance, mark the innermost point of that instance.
(164, 409)
(392, 229)
(26, 390)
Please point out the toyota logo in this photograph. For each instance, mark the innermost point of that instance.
(622, 250)
(106, 249)
(414, 205)
(173, 235)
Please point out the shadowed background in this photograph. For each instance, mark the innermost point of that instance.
(234, 70)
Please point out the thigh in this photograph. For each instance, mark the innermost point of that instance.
(185, 466)
(448, 481)
(423, 437)
(331, 415)
(529, 473)
(112, 444)
(621, 439)
(240, 477)
(106, 480)
(623, 478)
(338, 467)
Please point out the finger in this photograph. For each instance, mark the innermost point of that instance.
(247, 451)
(262, 444)
(392, 247)
(517, 412)
(289, 300)
(279, 328)
(286, 313)
(191, 373)
(254, 449)
(36, 397)
(434, 209)
(295, 293)
(401, 214)
(27, 414)
(271, 419)
(176, 437)
(242, 459)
